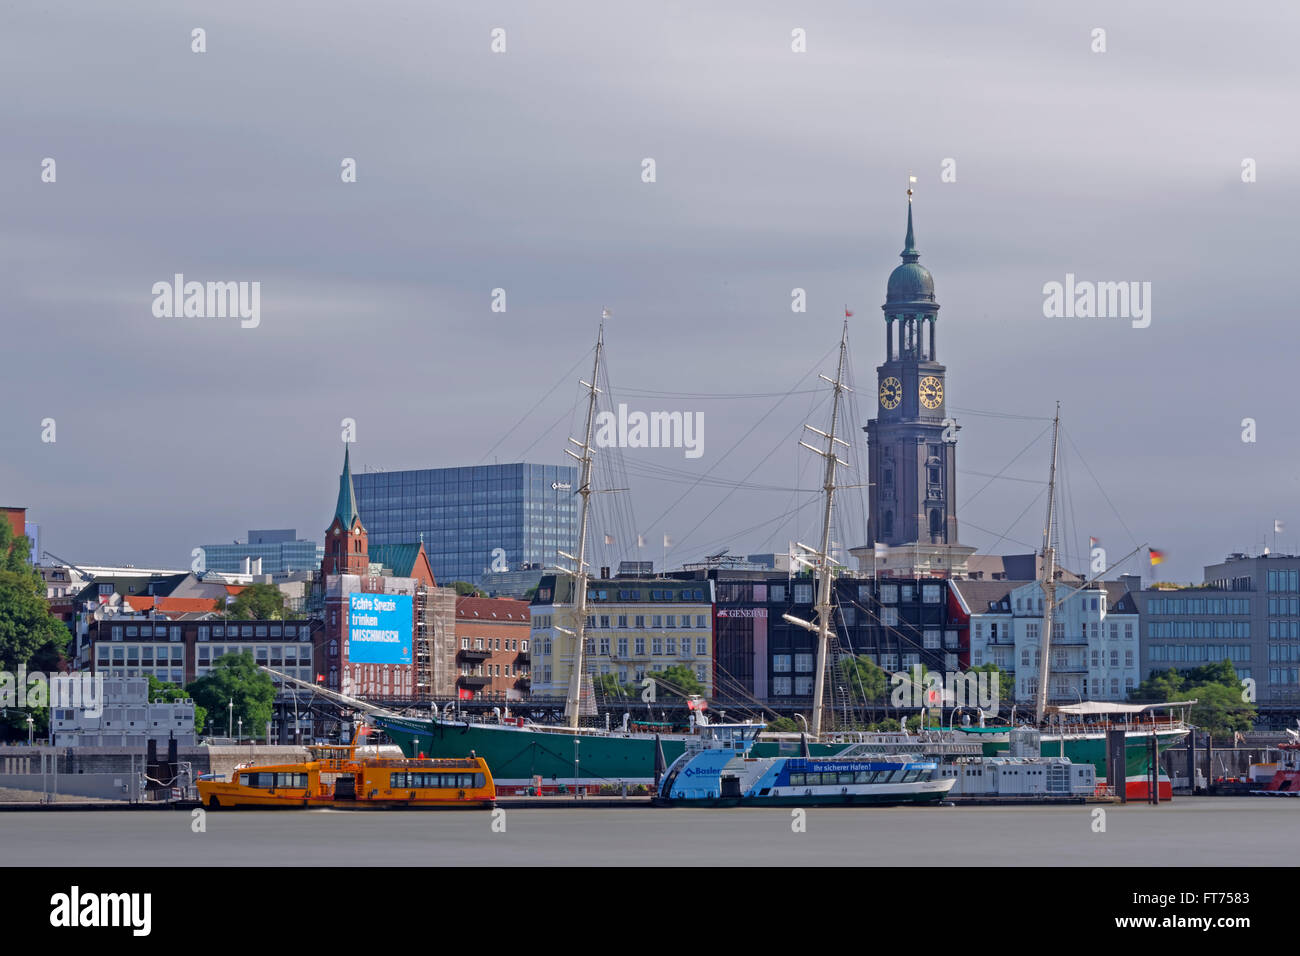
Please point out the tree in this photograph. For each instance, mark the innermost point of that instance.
(235, 677)
(866, 681)
(259, 602)
(1006, 683)
(29, 634)
(171, 692)
(465, 589)
(1221, 707)
(679, 678)
(607, 685)
(783, 725)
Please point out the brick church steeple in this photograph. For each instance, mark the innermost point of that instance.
(347, 549)
(912, 443)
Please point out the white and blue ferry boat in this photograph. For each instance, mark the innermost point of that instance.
(717, 771)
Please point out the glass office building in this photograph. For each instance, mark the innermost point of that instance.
(279, 550)
(464, 515)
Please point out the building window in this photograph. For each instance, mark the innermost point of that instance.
(640, 646)
(622, 647)
(781, 663)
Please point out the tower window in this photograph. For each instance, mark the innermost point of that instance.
(936, 522)
(887, 524)
(934, 476)
(889, 476)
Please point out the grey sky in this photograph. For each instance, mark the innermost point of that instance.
(522, 170)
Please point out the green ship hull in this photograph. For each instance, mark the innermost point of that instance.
(519, 755)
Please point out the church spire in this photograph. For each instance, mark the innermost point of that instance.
(346, 509)
(909, 252)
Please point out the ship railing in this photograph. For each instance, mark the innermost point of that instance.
(1157, 725)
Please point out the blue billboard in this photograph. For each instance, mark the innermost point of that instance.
(379, 628)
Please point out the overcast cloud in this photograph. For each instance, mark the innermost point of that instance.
(522, 171)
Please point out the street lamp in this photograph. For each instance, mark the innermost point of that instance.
(31, 723)
(241, 730)
(230, 719)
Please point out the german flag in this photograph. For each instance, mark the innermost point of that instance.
(1156, 556)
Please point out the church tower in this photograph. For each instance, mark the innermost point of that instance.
(347, 549)
(912, 443)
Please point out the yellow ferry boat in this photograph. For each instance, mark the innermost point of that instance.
(335, 776)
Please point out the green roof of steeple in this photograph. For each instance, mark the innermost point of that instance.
(909, 252)
(910, 283)
(346, 509)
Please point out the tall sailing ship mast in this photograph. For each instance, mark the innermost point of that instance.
(822, 559)
(1048, 580)
(572, 704)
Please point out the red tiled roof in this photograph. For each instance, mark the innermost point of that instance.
(503, 610)
(168, 605)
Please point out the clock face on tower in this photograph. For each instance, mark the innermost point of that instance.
(931, 392)
(891, 392)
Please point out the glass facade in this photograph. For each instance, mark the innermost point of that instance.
(278, 557)
(465, 514)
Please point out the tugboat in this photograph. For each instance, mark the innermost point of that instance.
(717, 771)
(1286, 780)
(339, 778)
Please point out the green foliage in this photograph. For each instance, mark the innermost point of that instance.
(680, 678)
(236, 677)
(1006, 683)
(1221, 708)
(29, 633)
(607, 685)
(259, 602)
(784, 725)
(162, 690)
(865, 680)
(465, 589)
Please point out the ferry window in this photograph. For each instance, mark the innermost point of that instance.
(862, 776)
(846, 776)
(797, 779)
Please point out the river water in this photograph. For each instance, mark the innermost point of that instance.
(1190, 831)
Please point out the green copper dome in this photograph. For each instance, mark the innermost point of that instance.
(911, 281)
